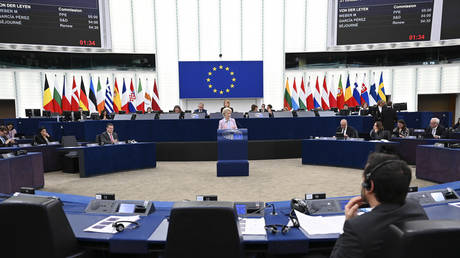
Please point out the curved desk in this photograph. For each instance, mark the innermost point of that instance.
(149, 237)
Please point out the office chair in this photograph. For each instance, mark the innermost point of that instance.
(422, 239)
(36, 226)
(70, 159)
(203, 229)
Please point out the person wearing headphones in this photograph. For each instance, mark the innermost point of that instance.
(386, 180)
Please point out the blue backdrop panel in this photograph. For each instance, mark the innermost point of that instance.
(226, 79)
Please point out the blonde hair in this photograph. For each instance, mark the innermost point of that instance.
(226, 110)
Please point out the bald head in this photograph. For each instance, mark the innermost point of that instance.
(343, 123)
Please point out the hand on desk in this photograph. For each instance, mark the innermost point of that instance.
(351, 209)
(436, 136)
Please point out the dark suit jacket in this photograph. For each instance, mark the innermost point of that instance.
(363, 235)
(105, 138)
(202, 111)
(389, 118)
(351, 132)
(38, 139)
(382, 134)
(441, 131)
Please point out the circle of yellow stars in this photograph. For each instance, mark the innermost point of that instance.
(213, 87)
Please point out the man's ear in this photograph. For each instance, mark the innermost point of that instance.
(371, 189)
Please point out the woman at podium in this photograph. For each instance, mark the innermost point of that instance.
(227, 122)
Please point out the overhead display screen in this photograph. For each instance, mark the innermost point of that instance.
(450, 28)
(383, 21)
(75, 23)
(372, 24)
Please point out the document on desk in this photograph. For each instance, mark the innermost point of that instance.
(316, 225)
(105, 225)
(252, 226)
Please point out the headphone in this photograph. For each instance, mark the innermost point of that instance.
(118, 225)
(284, 228)
(367, 178)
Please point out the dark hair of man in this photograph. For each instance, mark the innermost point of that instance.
(391, 180)
(108, 124)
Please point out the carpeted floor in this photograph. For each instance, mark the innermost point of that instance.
(269, 180)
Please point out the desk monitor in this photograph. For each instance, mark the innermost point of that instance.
(147, 116)
(258, 114)
(95, 116)
(306, 114)
(326, 113)
(46, 113)
(121, 112)
(278, 114)
(67, 115)
(37, 112)
(86, 113)
(400, 106)
(237, 115)
(194, 116)
(76, 115)
(123, 117)
(215, 115)
(29, 112)
(344, 112)
(170, 116)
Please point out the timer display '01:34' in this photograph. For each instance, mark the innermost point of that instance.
(414, 37)
(88, 43)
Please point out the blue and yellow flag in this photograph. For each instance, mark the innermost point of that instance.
(381, 93)
(221, 79)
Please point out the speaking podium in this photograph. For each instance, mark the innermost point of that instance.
(232, 152)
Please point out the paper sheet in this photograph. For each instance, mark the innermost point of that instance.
(315, 225)
(252, 226)
(105, 225)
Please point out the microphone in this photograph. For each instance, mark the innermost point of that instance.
(273, 208)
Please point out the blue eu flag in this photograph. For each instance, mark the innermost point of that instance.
(216, 79)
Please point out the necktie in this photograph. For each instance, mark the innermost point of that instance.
(433, 131)
(3, 140)
(111, 138)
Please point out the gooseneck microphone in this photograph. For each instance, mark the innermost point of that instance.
(273, 208)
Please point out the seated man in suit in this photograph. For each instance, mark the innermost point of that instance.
(347, 131)
(109, 136)
(385, 184)
(4, 141)
(435, 130)
(42, 137)
(201, 109)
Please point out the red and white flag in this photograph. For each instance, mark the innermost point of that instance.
(332, 94)
(325, 96)
(155, 97)
(310, 103)
(75, 98)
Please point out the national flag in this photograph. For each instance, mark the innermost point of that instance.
(332, 99)
(47, 99)
(295, 96)
(364, 94)
(155, 97)
(57, 101)
(75, 97)
(100, 96)
(124, 98)
(92, 97)
(83, 97)
(382, 89)
(302, 97)
(116, 98)
(65, 97)
(340, 95)
(287, 96)
(147, 97)
(310, 103)
(356, 95)
(132, 98)
(325, 96)
(108, 97)
(317, 95)
(349, 93)
(373, 92)
(139, 97)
